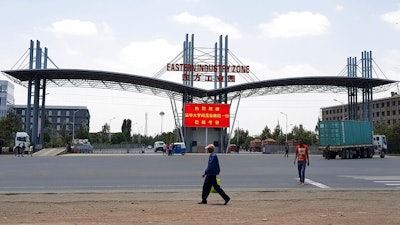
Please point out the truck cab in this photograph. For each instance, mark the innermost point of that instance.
(380, 145)
(22, 139)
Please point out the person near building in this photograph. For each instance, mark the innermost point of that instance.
(210, 175)
(302, 160)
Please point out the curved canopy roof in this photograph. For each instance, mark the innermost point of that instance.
(153, 86)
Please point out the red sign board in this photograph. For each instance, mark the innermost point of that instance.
(207, 115)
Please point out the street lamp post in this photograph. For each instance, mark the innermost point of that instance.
(286, 125)
(161, 115)
(342, 107)
(237, 137)
(73, 125)
(109, 132)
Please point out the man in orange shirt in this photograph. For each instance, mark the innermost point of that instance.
(302, 159)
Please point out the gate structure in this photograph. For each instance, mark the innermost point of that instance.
(197, 65)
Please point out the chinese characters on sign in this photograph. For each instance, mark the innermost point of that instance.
(207, 115)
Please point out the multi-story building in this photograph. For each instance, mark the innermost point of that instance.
(6, 97)
(57, 116)
(384, 110)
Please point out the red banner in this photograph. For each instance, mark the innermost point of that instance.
(207, 115)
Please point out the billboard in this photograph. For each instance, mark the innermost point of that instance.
(206, 115)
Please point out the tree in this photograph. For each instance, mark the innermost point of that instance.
(118, 138)
(126, 128)
(65, 136)
(10, 125)
(240, 137)
(83, 132)
(392, 134)
(277, 132)
(105, 132)
(266, 133)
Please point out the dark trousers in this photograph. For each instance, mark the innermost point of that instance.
(211, 180)
(301, 166)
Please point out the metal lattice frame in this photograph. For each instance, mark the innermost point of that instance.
(168, 89)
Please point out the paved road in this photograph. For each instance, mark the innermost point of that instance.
(154, 172)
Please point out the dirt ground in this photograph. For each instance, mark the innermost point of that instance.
(305, 206)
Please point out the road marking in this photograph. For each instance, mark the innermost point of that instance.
(389, 182)
(386, 180)
(315, 183)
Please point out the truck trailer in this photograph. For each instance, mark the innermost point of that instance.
(350, 139)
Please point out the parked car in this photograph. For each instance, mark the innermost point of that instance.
(179, 148)
(159, 146)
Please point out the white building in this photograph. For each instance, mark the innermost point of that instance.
(386, 110)
(6, 97)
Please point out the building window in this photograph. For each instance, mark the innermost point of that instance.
(387, 104)
(383, 104)
(377, 105)
(393, 103)
(377, 114)
(394, 112)
(383, 113)
(388, 113)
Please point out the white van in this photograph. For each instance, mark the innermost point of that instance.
(159, 146)
(22, 139)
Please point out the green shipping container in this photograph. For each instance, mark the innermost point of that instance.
(344, 133)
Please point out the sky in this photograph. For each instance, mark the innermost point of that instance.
(277, 39)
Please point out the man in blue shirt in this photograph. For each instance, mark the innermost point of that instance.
(210, 175)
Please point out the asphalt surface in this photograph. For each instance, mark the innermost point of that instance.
(157, 173)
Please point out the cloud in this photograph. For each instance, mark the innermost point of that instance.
(392, 18)
(299, 70)
(149, 57)
(339, 8)
(81, 28)
(209, 22)
(296, 24)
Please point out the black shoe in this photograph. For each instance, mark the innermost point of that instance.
(202, 202)
(227, 200)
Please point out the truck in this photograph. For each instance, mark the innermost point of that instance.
(82, 146)
(350, 139)
(256, 145)
(22, 140)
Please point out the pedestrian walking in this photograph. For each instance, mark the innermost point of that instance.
(170, 149)
(302, 160)
(165, 148)
(286, 151)
(31, 150)
(210, 174)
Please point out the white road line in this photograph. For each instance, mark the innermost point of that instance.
(315, 183)
(387, 181)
